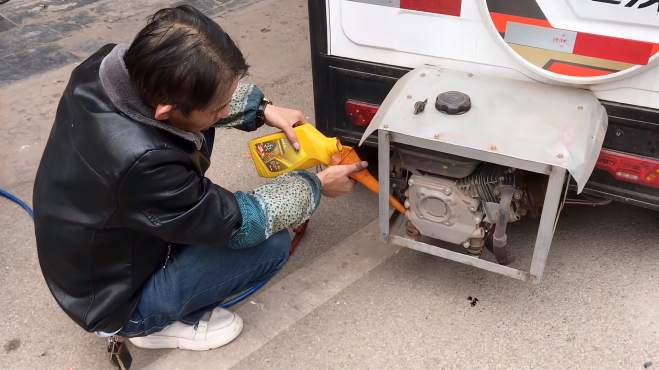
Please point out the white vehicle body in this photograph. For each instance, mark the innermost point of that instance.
(382, 31)
(483, 108)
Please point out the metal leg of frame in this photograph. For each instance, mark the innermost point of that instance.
(547, 222)
(383, 175)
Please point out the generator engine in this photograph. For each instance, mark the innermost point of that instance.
(459, 200)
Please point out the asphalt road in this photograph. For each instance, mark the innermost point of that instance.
(345, 300)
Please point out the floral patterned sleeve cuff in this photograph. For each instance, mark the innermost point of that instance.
(252, 231)
(287, 201)
(243, 108)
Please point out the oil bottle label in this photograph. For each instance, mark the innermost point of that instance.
(278, 155)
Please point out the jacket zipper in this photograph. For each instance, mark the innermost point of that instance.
(169, 253)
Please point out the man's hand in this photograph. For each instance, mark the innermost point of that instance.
(284, 119)
(335, 179)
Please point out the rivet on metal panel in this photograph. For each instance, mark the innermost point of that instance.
(386, 125)
(579, 107)
(409, 96)
(437, 136)
(470, 75)
(560, 156)
(493, 147)
(422, 75)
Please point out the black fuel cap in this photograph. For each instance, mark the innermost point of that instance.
(453, 102)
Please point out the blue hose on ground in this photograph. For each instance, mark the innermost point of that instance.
(17, 200)
(243, 295)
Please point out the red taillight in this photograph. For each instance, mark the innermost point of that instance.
(360, 113)
(630, 168)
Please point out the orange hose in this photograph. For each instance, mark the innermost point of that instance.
(350, 156)
(299, 233)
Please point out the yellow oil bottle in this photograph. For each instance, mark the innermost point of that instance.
(274, 155)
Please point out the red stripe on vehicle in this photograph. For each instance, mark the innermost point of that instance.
(613, 48)
(655, 49)
(577, 70)
(448, 7)
(501, 20)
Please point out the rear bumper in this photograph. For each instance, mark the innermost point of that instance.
(604, 185)
(633, 130)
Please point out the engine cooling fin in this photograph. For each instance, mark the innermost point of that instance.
(484, 180)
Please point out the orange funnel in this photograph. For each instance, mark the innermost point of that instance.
(350, 156)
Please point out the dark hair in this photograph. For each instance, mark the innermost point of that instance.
(183, 58)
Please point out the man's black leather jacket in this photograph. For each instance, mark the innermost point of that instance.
(111, 196)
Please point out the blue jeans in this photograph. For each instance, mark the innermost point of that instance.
(197, 278)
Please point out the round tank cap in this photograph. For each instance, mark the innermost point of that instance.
(453, 102)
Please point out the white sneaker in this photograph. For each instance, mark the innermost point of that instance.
(222, 327)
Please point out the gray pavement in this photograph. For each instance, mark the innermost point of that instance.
(345, 300)
(596, 309)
